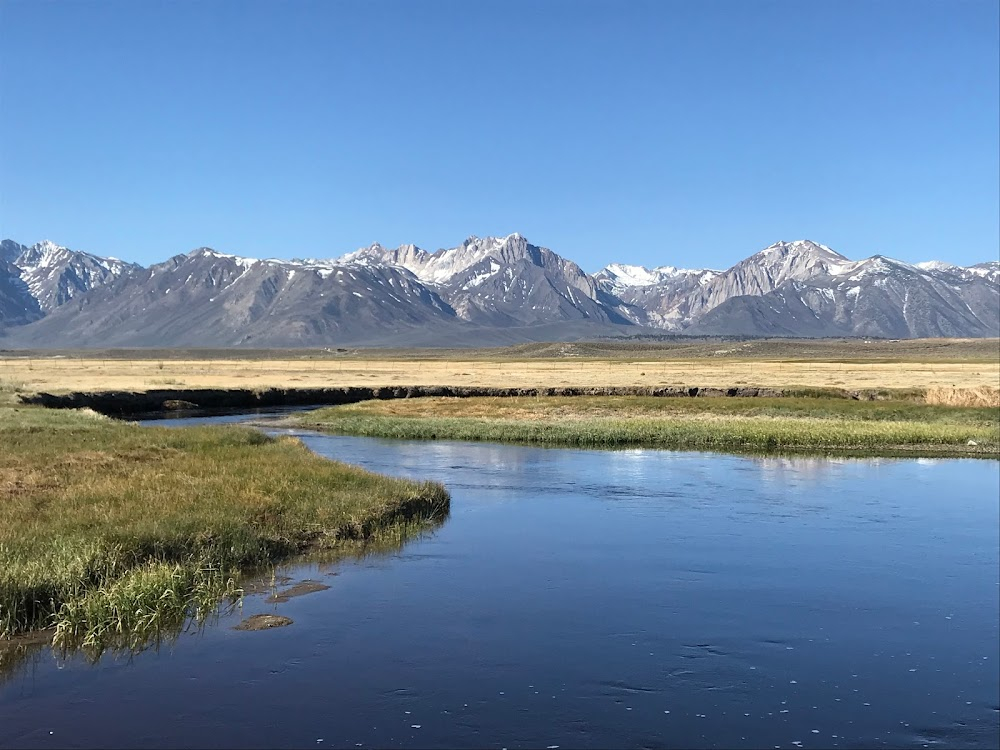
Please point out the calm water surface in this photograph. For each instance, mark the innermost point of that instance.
(595, 599)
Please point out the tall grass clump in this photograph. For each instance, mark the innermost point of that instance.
(983, 396)
(113, 533)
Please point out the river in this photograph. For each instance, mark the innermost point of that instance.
(580, 598)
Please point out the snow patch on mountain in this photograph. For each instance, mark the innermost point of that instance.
(439, 267)
(936, 265)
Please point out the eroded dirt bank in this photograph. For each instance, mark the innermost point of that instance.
(121, 403)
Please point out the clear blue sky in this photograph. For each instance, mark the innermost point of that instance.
(686, 133)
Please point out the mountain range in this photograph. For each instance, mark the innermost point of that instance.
(486, 291)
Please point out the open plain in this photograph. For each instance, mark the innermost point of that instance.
(848, 364)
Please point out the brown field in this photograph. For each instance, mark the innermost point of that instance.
(924, 364)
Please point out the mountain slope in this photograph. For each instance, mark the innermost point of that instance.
(874, 297)
(17, 306)
(209, 299)
(504, 282)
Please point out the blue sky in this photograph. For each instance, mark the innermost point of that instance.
(684, 133)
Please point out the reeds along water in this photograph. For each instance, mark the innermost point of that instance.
(983, 396)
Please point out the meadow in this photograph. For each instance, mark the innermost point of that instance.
(781, 363)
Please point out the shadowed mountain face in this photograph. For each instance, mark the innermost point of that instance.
(17, 306)
(486, 290)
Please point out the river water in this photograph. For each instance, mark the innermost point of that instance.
(578, 598)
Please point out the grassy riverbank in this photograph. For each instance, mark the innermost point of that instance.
(820, 424)
(109, 531)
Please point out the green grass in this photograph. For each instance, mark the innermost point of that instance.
(112, 532)
(823, 425)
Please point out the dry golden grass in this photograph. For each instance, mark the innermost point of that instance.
(61, 374)
(983, 396)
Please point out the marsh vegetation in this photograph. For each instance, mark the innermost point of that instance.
(819, 423)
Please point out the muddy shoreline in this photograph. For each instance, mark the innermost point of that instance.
(129, 403)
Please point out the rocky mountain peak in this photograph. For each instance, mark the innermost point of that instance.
(800, 247)
(9, 250)
(44, 253)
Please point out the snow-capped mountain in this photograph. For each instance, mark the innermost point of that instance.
(989, 271)
(674, 299)
(442, 266)
(55, 274)
(619, 276)
(206, 298)
(486, 290)
(503, 281)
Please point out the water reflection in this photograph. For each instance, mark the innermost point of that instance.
(21, 655)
